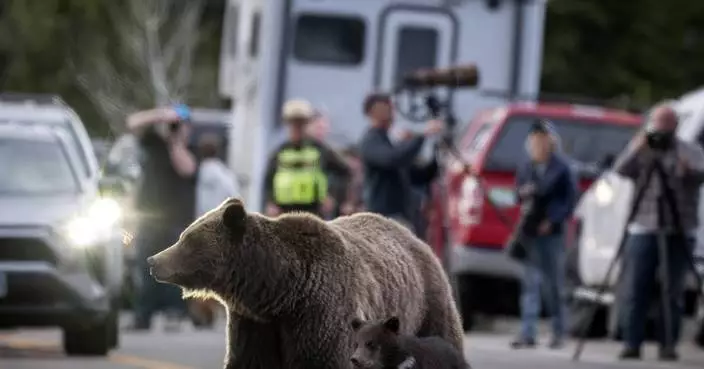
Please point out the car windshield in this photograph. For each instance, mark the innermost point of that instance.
(34, 167)
(588, 144)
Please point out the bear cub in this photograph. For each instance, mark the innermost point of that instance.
(378, 345)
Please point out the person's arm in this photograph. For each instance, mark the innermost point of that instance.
(628, 163)
(563, 211)
(379, 153)
(182, 159)
(694, 172)
(137, 123)
(334, 163)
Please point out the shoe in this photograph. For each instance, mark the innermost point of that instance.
(523, 343)
(668, 354)
(556, 344)
(630, 354)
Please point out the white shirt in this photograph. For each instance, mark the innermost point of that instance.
(215, 184)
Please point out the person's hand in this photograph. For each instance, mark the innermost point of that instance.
(405, 134)
(179, 136)
(328, 205)
(272, 210)
(639, 141)
(527, 190)
(433, 127)
(545, 227)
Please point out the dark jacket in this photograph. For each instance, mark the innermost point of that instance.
(556, 193)
(387, 177)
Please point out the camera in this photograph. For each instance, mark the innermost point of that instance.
(174, 127)
(660, 141)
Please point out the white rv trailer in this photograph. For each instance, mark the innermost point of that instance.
(334, 52)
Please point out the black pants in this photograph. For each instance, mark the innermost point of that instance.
(152, 296)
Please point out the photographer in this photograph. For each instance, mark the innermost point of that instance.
(547, 190)
(682, 163)
(165, 201)
(388, 177)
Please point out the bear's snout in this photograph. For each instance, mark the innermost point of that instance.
(158, 269)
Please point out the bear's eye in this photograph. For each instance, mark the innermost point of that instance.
(370, 345)
(356, 345)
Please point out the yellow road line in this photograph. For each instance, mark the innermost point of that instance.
(133, 361)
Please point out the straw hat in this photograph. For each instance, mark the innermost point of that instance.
(297, 109)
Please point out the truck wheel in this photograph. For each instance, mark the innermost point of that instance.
(89, 340)
(463, 292)
(114, 325)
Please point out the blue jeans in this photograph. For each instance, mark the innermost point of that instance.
(545, 265)
(641, 262)
(151, 295)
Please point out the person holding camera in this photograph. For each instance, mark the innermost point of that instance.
(547, 190)
(683, 164)
(165, 202)
(388, 178)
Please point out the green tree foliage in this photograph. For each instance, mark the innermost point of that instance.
(645, 50)
(46, 44)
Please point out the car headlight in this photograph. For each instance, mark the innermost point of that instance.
(95, 225)
(603, 192)
(105, 211)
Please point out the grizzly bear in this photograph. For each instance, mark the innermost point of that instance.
(379, 345)
(292, 284)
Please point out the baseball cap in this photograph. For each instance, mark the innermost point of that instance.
(297, 109)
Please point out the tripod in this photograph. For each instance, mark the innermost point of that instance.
(665, 200)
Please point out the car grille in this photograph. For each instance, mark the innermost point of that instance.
(26, 249)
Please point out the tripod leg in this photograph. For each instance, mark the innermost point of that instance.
(665, 293)
(612, 265)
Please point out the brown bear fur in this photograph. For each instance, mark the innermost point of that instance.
(293, 283)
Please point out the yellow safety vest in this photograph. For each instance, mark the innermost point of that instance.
(299, 179)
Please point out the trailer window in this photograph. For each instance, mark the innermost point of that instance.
(231, 25)
(329, 40)
(254, 40)
(417, 48)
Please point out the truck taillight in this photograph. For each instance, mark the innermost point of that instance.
(469, 206)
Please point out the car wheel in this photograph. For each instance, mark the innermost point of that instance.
(114, 325)
(89, 340)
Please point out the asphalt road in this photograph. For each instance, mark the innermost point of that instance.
(190, 349)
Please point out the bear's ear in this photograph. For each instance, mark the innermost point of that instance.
(234, 216)
(392, 325)
(356, 323)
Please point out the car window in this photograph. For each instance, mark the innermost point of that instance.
(35, 167)
(586, 143)
(82, 153)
